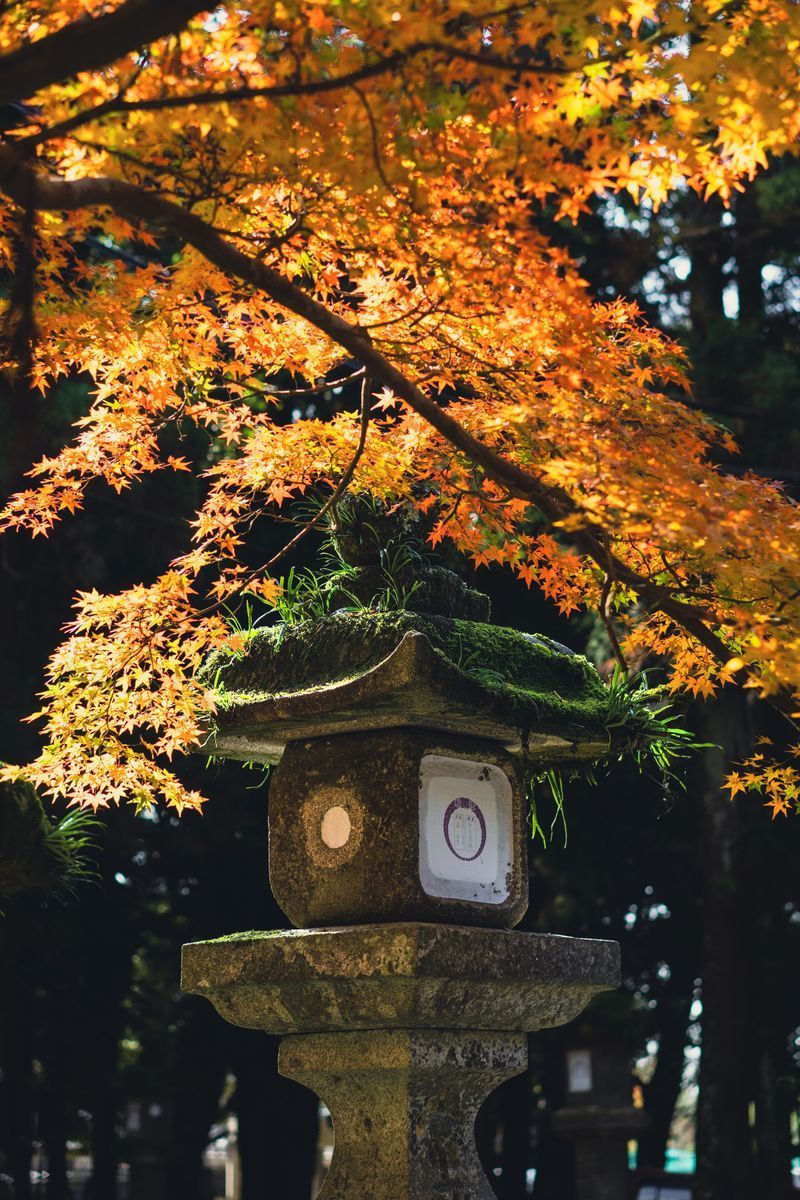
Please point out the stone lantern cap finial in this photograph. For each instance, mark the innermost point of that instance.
(365, 670)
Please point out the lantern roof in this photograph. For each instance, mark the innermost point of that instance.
(367, 670)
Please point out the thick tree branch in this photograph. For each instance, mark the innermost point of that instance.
(25, 186)
(91, 43)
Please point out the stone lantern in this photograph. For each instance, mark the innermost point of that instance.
(397, 844)
(599, 1117)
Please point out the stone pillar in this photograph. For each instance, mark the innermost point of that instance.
(403, 1029)
(403, 1105)
(601, 1151)
(145, 1146)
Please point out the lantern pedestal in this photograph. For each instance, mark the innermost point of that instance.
(599, 1117)
(399, 976)
(600, 1136)
(403, 1104)
(403, 1030)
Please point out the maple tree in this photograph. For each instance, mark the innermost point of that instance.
(356, 186)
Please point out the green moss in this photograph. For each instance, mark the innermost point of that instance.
(534, 680)
(250, 935)
(36, 852)
(24, 861)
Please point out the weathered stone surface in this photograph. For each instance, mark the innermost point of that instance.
(610, 1082)
(370, 670)
(601, 1169)
(355, 838)
(393, 802)
(399, 976)
(38, 852)
(24, 859)
(403, 1105)
(601, 1148)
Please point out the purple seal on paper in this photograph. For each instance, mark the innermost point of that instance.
(464, 829)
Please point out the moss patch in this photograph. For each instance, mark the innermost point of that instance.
(534, 680)
(38, 853)
(248, 935)
(25, 862)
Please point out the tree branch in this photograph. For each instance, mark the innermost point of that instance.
(25, 186)
(309, 87)
(330, 503)
(91, 43)
(604, 609)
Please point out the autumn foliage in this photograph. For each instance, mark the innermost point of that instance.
(359, 187)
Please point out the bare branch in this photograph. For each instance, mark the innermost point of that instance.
(344, 482)
(326, 385)
(604, 609)
(331, 502)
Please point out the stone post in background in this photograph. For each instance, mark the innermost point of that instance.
(145, 1143)
(599, 1117)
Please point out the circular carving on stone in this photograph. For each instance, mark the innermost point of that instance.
(464, 829)
(336, 827)
(333, 821)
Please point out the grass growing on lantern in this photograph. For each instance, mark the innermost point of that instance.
(652, 738)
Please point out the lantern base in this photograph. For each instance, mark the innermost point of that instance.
(403, 1030)
(399, 976)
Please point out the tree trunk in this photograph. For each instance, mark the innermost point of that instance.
(515, 1107)
(105, 1159)
(775, 1075)
(54, 1129)
(724, 1137)
(661, 1093)
(749, 258)
(706, 281)
(16, 1051)
(198, 1087)
(104, 1099)
(555, 1156)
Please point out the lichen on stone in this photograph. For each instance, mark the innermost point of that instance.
(24, 861)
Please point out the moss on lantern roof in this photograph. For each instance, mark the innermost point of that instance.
(536, 680)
